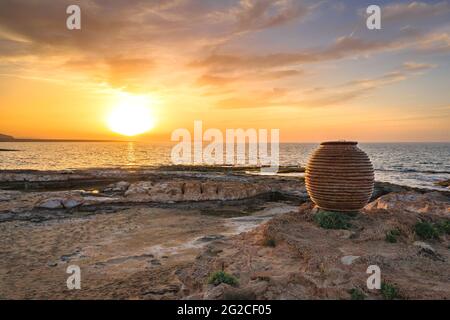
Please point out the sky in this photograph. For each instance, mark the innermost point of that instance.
(309, 68)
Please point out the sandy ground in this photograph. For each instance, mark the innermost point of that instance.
(132, 253)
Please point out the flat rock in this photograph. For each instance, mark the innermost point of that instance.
(51, 204)
(72, 203)
(348, 260)
(185, 190)
(120, 186)
(411, 201)
(424, 246)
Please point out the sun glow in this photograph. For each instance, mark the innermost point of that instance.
(131, 116)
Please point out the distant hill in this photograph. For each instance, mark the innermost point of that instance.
(6, 138)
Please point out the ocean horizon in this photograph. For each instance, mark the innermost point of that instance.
(414, 164)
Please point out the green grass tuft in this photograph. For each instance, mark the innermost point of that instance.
(332, 220)
(391, 235)
(357, 294)
(426, 231)
(443, 227)
(219, 277)
(389, 291)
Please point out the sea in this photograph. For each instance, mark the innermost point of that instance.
(419, 165)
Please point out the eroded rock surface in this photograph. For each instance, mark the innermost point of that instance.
(432, 202)
(163, 189)
(309, 262)
(194, 190)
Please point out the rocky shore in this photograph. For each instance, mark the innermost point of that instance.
(160, 233)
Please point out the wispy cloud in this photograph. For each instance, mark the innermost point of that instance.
(343, 47)
(260, 14)
(326, 97)
(414, 10)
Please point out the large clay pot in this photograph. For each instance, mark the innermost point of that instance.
(339, 177)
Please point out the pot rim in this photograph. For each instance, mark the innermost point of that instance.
(340, 142)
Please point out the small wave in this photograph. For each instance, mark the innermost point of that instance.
(414, 171)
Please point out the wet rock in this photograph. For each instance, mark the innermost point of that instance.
(51, 204)
(72, 203)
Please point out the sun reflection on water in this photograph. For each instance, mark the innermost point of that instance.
(131, 154)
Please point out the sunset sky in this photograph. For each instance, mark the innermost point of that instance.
(310, 68)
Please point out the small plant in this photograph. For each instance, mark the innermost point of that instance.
(219, 277)
(426, 231)
(443, 227)
(270, 242)
(391, 235)
(389, 291)
(332, 220)
(357, 294)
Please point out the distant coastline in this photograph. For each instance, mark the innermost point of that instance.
(6, 138)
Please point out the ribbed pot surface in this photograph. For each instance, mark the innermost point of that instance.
(339, 177)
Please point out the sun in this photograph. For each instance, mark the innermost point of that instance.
(132, 115)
